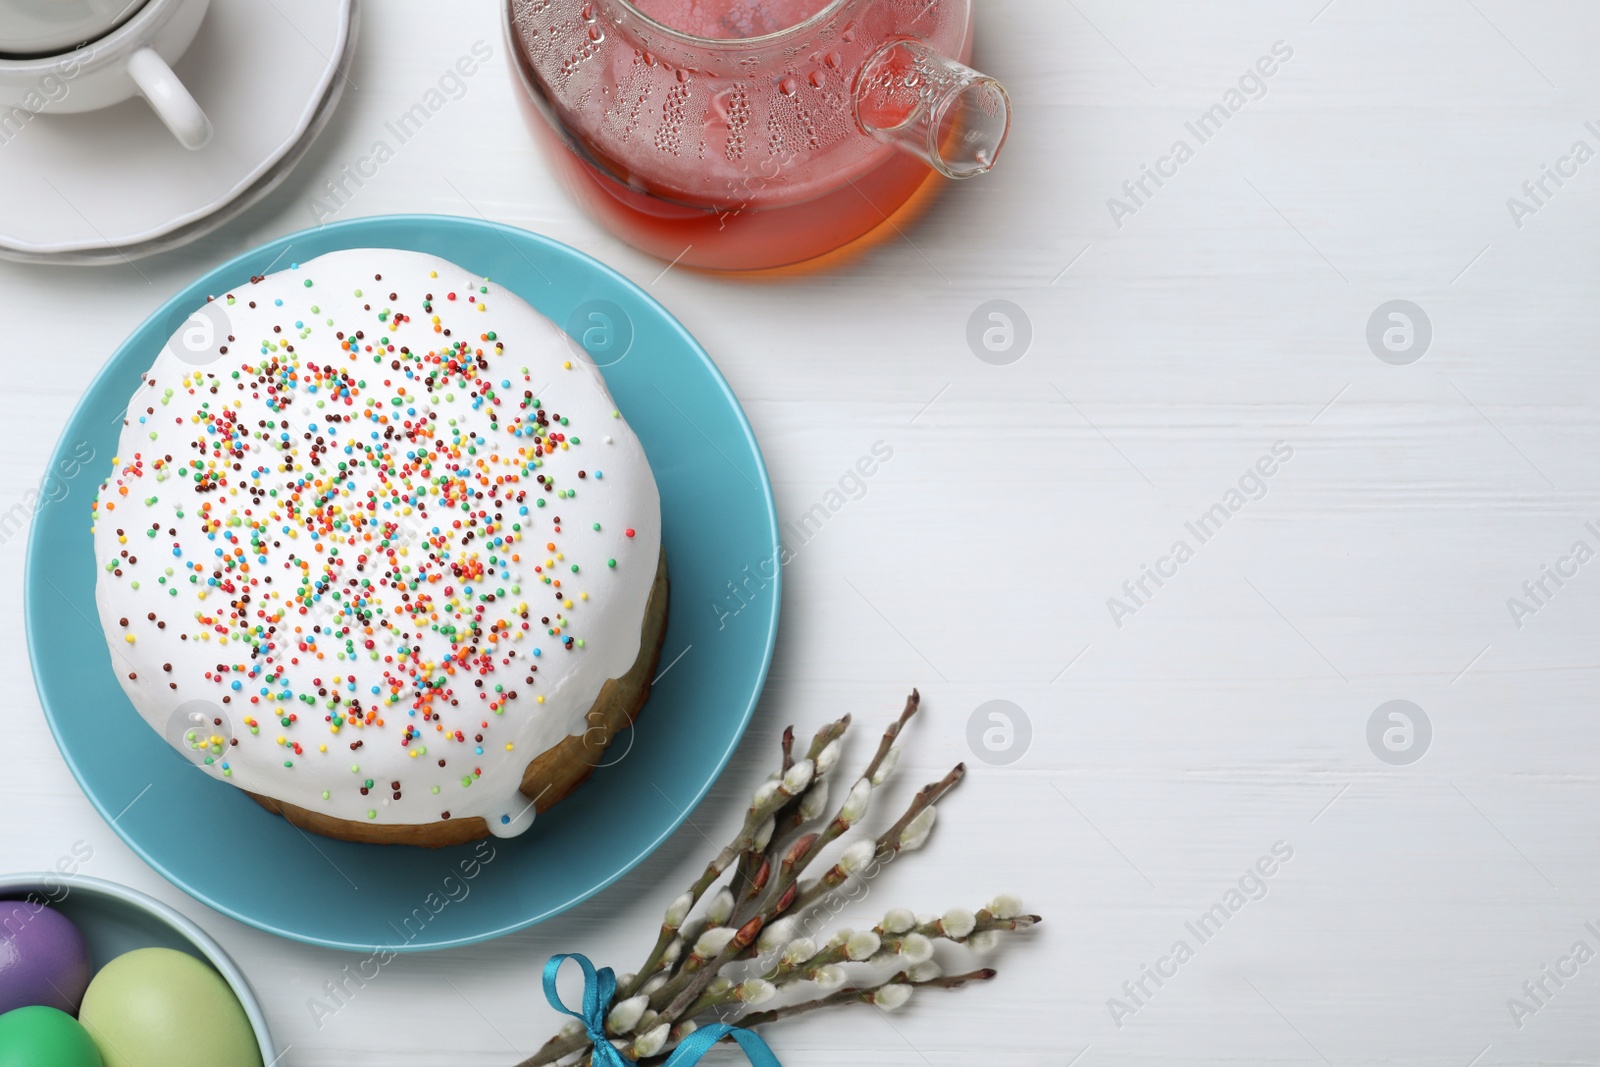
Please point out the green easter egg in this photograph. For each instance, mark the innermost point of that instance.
(45, 1037)
(157, 1006)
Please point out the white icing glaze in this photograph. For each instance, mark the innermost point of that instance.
(194, 540)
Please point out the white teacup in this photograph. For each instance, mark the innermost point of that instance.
(126, 48)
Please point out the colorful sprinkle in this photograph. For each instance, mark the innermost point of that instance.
(340, 516)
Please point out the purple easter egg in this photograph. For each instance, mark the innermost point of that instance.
(43, 958)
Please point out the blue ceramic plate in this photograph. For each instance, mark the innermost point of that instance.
(216, 844)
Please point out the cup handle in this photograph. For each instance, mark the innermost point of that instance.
(169, 99)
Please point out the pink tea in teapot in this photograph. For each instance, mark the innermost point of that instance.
(739, 134)
(730, 20)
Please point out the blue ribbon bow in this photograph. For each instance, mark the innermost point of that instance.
(598, 989)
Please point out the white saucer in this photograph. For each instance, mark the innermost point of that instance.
(112, 185)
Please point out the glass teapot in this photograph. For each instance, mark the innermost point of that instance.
(741, 134)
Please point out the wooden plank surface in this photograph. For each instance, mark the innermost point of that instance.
(1173, 745)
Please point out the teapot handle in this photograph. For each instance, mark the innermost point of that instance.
(941, 111)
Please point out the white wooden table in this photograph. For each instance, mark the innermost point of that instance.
(1229, 710)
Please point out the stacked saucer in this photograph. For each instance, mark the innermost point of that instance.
(112, 185)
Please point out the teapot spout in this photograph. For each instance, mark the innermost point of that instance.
(941, 111)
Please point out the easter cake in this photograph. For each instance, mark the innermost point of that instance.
(378, 548)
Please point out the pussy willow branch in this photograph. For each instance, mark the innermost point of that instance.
(782, 895)
(788, 749)
(557, 1048)
(750, 859)
(755, 817)
(852, 995)
(889, 843)
(893, 838)
(765, 898)
(787, 817)
(892, 733)
(791, 818)
(847, 995)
